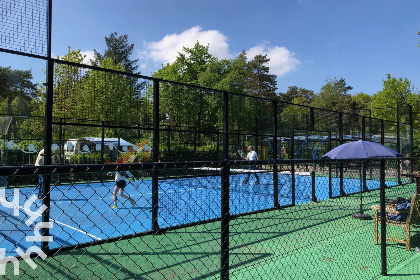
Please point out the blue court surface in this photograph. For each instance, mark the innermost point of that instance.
(81, 213)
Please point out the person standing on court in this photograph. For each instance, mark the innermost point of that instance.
(120, 183)
(252, 156)
(38, 162)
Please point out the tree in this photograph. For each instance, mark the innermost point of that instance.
(67, 86)
(259, 81)
(94, 95)
(119, 50)
(361, 104)
(16, 84)
(177, 100)
(227, 75)
(295, 115)
(294, 92)
(394, 91)
(198, 67)
(398, 91)
(16, 89)
(333, 96)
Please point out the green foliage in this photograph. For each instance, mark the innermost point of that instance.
(333, 96)
(394, 91)
(95, 95)
(3, 106)
(119, 51)
(88, 158)
(196, 66)
(297, 95)
(361, 102)
(176, 100)
(226, 74)
(20, 106)
(101, 96)
(259, 81)
(16, 84)
(398, 91)
(184, 152)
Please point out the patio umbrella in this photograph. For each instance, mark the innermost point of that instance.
(361, 150)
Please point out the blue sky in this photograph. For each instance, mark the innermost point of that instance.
(307, 41)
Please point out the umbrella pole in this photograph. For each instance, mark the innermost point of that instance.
(360, 215)
(361, 191)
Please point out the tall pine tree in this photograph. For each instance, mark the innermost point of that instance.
(259, 81)
(119, 50)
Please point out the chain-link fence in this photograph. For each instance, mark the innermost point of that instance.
(191, 207)
(277, 220)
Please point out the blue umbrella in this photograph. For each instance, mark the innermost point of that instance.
(361, 150)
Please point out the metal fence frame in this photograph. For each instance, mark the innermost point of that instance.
(226, 216)
(224, 134)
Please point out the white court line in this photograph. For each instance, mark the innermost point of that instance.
(81, 231)
(231, 170)
(55, 221)
(251, 171)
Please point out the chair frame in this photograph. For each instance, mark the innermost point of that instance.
(413, 220)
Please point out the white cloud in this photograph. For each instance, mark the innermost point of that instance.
(89, 55)
(167, 49)
(281, 59)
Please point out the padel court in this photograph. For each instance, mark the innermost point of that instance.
(81, 213)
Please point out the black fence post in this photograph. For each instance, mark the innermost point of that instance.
(195, 143)
(410, 109)
(224, 201)
(224, 258)
(218, 144)
(399, 142)
(311, 119)
(47, 156)
(329, 169)
(45, 232)
(382, 132)
(155, 175)
(61, 155)
(383, 218)
(275, 144)
(365, 188)
(313, 186)
(292, 165)
(329, 180)
(102, 142)
(341, 139)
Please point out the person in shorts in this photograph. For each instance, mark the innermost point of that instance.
(120, 183)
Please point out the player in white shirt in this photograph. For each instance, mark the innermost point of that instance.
(252, 156)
